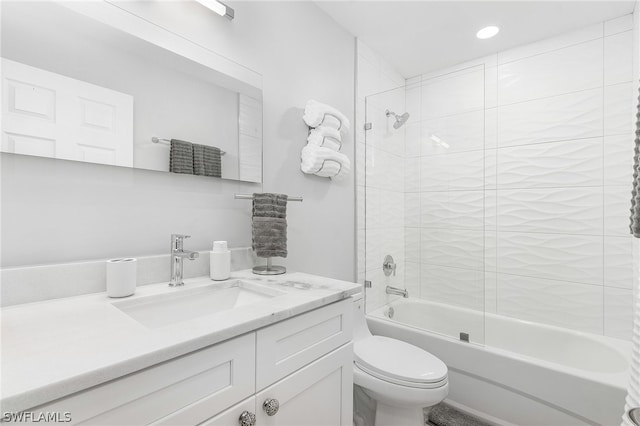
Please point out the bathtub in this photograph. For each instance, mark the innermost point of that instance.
(522, 372)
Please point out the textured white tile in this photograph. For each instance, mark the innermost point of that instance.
(491, 169)
(412, 174)
(618, 262)
(454, 248)
(491, 128)
(412, 142)
(567, 163)
(456, 171)
(490, 209)
(570, 69)
(618, 58)
(413, 101)
(412, 244)
(618, 159)
(490, 250)
(361, 209)
(576, 258)
(362, 251)
(617, 202)
(453, 94)
(383, 241)
(575, 37)
(618, 25)
(460, 132)
(570, 116)
(552, 210)
(453, 286)
(618, 313)
(373, 208)
(412, 279)
(392, 209)
(491, 87)
(412, 209)
(490, 292)
(575, 306)
(384, 170)
(454, 209)
(618, 109)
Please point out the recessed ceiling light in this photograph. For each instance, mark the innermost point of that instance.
(488, 32)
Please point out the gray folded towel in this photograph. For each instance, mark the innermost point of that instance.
(207, 160)
(270, 225)
(181, 157)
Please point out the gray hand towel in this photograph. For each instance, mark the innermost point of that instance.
(207, 160)
(181, 157)
(270, 225)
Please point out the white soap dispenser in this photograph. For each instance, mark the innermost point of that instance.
(220, 261)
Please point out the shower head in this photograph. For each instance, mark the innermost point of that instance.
(400, 119)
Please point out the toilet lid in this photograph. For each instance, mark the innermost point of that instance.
(398, 360)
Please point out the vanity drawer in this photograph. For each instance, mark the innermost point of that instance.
(186, 390)
(291, 344)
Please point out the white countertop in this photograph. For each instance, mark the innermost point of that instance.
(54, 348)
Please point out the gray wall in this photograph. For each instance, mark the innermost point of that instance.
(56, 211)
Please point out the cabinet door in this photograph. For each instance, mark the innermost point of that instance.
(231, 417)
(319, 394)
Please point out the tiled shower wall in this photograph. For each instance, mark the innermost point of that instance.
(381, 232)
(525, 214)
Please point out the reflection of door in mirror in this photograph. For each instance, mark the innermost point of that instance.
(50, 115)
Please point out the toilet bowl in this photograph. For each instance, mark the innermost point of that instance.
(402, 378)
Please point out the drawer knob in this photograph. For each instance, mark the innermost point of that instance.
(271, 406)
(247, 419)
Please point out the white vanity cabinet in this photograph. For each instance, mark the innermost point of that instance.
(304, 363)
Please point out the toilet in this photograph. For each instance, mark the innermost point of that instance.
(401, 378)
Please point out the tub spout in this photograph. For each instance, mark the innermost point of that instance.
(397, 291)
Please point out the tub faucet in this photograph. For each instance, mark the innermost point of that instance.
(397, 291)
(177, 257)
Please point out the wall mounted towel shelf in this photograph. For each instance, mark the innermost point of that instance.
(168, 141)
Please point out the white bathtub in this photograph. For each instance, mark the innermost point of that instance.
(523, 372)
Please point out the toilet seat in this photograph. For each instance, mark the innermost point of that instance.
(399, 362)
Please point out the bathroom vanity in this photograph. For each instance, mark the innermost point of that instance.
(267, 352)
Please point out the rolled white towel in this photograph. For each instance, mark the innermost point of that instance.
(325, 162)
(316, 114)
(325, 136)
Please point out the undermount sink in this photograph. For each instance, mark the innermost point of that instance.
(188, 303)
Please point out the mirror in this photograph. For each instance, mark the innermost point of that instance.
(75, 88)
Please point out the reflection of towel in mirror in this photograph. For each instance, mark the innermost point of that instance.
(324, 162)
(181, 157)
(316, 114)
(325, 136)
(207, 161)
(269, 225)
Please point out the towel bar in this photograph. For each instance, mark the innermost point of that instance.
(162, 140)
(250, 197)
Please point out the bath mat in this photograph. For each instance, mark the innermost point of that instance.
(445, 415)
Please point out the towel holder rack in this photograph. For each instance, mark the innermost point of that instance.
(269, 268)
(250, 197)
(155, 139)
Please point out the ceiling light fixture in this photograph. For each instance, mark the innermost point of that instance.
(218, 7)
(488, 32)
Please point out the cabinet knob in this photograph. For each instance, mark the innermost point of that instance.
(247, 419)
(271, 406)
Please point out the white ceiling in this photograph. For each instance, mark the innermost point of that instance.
(421, 36)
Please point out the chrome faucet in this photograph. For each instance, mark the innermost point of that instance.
(177, 257)
(397, 291)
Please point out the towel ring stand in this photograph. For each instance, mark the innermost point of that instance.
(331, 138)
(269, 268)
